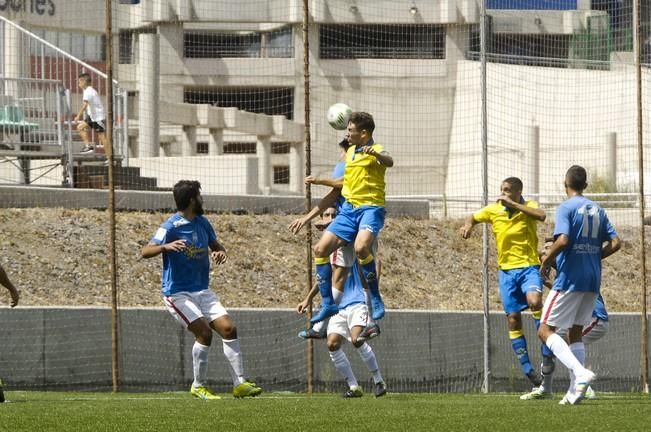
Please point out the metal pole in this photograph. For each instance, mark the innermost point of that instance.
(484, 169)
(308, 190)
(111, 194)
(637, 47)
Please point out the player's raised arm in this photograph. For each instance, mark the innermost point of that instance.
(151, 250)
(535, 212)
(328, 201)
(466, 229)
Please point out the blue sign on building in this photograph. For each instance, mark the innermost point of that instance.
(532, 4)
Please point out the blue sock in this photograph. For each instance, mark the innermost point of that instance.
(519, 345)
(544, 349)
(370, 274)
(324, 280)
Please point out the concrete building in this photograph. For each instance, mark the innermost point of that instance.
(410, 63)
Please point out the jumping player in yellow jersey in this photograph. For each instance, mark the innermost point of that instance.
(514, 224)
(360, 218)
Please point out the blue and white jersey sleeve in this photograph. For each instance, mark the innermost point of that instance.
(162, 233)
(563, 221)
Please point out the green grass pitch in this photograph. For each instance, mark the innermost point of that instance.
(129, 412)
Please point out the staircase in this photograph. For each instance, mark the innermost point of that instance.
(89, 176)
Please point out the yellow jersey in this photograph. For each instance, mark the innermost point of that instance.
(364, 178)
(515, 235)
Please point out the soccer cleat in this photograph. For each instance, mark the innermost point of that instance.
(378, 308)
(87, 149)
(537, 394)
(310, 334)
(590, 394)
(380, 389)
(2, 393)
(565, 400)
(582, 384)
(246, 389)
(204, 393)
(369, 332)
(326, 311)
(354, 392)
(535, 378)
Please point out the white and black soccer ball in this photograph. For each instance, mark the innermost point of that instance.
(338, 115)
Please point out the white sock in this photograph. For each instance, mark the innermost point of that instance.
(562, 352)
(343, 367)
(199, 363)
(369, 304)
(337, 295)
(578, 349)
(368, 356)
(234, 356)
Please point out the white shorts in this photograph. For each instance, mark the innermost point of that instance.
(595, 330)
(345, 255)
(565, 309)
(188, 307)
(353, 316)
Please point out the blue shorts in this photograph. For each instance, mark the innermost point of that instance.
(351, 220)
(515, 284)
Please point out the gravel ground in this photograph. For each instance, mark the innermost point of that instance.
(60, 257)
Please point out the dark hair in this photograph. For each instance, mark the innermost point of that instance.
(363, 121)
(184, 191)
(344, 144)
(86, 77)
(515, 183)
(576, 178)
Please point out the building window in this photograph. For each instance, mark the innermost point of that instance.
(281, 174)
(202, 147)
(239, 148)
(84, 46)
(206, 44)
(270, 101)
(279, 148)
(400, 41)
(126, 41)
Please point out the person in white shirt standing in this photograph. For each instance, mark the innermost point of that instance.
(91, 115)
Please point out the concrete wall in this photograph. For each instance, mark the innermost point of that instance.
(228, 175)
(31, 196)
(418, 351)
(575, 110)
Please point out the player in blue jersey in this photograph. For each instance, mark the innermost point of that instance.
(592, 332)
(348, 324)
(583, 236)
(15, 296)
(187, 241)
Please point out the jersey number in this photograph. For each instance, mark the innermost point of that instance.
(590, 220)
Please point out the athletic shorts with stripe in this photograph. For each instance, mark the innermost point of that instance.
(565, 309)
(187, 307)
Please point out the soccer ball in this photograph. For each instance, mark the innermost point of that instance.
(338, 115)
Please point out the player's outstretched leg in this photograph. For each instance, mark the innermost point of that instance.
(324, 281)
(368, 357)
(519, 345)
(369, 271)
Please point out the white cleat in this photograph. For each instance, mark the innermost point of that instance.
(582, 384)
(537, 393)
(565, 400)
(590, 394)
